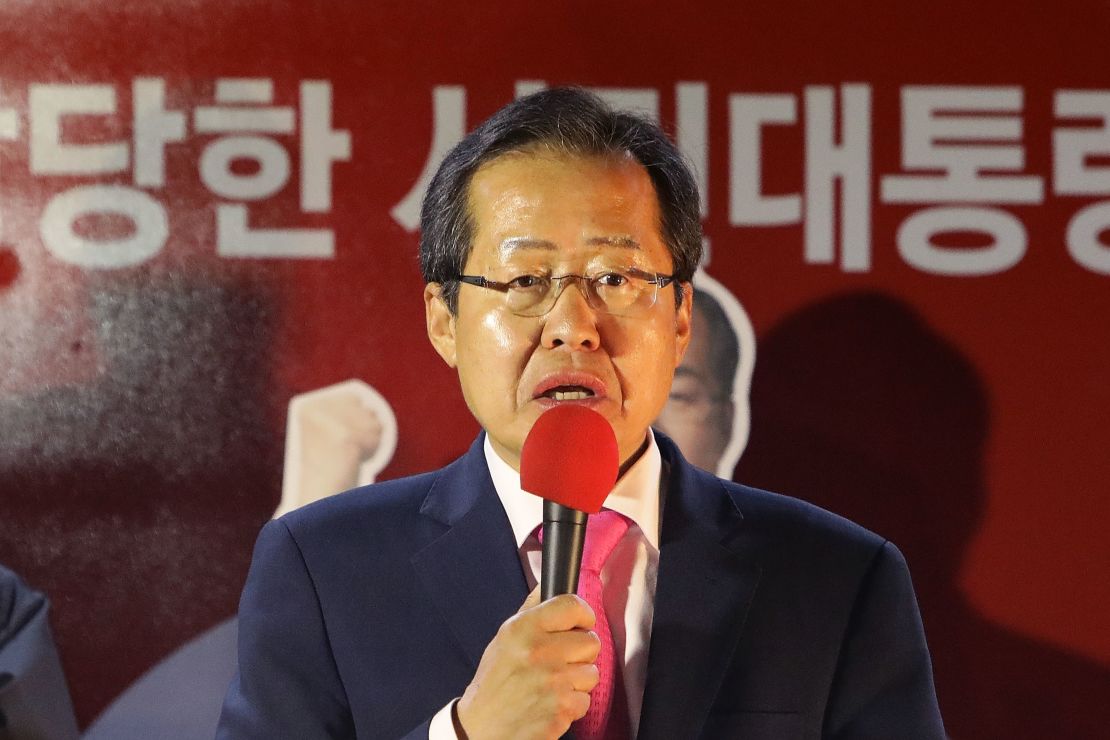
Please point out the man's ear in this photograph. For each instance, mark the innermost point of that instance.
(683, 318)
(441, 322)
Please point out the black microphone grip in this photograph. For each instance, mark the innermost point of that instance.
(564, 534)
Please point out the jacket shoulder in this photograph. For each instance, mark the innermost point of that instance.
(386, 497)
(771, 509)
(377, 520)
(795, 531)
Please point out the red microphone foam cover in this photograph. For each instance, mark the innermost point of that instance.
(570, 457)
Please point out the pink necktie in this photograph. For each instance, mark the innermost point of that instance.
(607, 717)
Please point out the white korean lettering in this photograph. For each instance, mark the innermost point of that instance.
(847, 162)
(235, 238)
(940, 132)
(748, 206)
(523, 88)
(49, 104)
(9, 131)
(692, 133)
(1073, 146)
(245, 90)
(448, 128)
(916, 245)
(9, 124)
(146, 214)
(243, 109)
(271, 176)
(153, 127)
(1083, 238)
(320, 146)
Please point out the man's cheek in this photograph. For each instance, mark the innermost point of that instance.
(498, 335)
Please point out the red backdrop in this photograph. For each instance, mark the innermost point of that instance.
(948, 390)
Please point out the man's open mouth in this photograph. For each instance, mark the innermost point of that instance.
(567, 393)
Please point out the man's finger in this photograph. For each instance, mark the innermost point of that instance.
(575, 646)
(583, 677)
(565, 612)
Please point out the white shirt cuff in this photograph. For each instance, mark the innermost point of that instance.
(442, 728)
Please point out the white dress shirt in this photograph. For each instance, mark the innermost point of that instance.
(629, 575)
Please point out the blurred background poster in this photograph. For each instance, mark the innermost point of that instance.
(208, 276)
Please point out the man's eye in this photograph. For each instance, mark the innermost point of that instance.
(526, 282)
(612, 280)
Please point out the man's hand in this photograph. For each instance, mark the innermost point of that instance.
(535, 676)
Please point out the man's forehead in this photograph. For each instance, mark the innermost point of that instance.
(509, 181)
(545, 206)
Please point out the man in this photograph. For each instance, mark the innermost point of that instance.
(558, 244)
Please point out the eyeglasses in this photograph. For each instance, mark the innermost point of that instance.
(628, 292)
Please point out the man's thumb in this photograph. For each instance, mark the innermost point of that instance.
(532, 600)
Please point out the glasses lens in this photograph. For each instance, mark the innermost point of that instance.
(530, 295)
(623, 293)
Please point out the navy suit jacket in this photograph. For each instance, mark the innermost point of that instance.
(367, 612)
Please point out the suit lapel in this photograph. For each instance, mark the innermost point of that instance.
(707, 577)
(472, 572)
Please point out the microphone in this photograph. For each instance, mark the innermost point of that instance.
(569, 459)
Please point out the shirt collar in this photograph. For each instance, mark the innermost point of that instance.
(636, 494)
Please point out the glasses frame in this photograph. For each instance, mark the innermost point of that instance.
(659, 280)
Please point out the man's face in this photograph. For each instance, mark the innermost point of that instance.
(561, 214)
(698, 414)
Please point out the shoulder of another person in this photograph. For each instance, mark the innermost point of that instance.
(18, 603)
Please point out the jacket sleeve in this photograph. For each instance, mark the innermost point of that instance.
(287, 684)
(883, 686)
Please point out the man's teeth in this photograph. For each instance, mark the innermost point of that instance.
(570, 395)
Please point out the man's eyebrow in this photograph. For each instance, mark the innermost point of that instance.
(614, 241)
(514, 243)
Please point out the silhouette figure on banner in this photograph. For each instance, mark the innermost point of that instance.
(337, 437)
(132, 493)
(859, 406)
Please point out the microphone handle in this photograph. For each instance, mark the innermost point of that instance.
(564, 534)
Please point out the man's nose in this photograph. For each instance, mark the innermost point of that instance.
(571, 321)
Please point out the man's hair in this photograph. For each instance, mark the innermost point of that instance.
(566, 120)
(723, 353)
